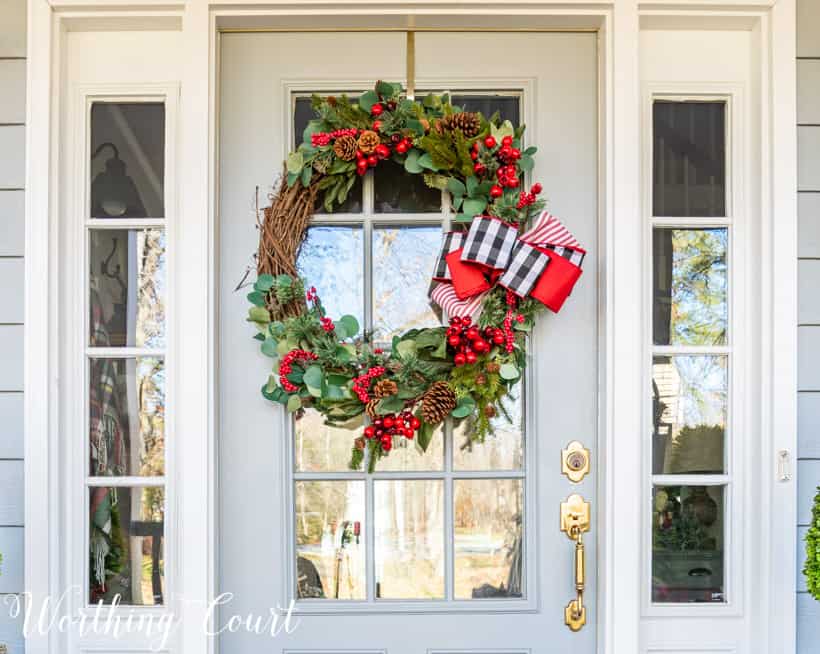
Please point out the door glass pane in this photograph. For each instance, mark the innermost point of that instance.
(331, 259)
(126, 557)
(689, 158)
(127, 160)
(689, 399)
(688, 544)
(407, 456)
(397, 191)
(319, 447)
(488, 532)
(403, 260)
(508, 106)
(330, 543)
(302, 114)
(690, 286)
(127, 417)
(127, 295)
(504, 450)
(409, 539)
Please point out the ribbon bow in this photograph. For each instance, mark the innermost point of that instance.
(544, 263)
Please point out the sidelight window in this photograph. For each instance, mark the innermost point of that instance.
(445, 526)
(691, 353)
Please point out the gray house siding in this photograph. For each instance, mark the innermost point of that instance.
(12, 228)
(808, 204)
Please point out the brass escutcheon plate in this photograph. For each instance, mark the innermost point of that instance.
(574, 514)
(572, 618)
(575, 462)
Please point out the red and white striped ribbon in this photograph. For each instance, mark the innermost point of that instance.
(548, 230)
(445, 296)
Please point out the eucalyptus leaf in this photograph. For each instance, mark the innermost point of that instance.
(314, 376)
(509, 371)
(256, 298)
(264, 283)
(295, 162)
(426, 161)
(385, 89)
(411, 164)
(258, 314)
(367, 100)
(351, 325)
(463, 218)
(456, 186)
(526, 163)
(416, 126)
(472, 185)
(294, 403)
(307, 173)
(269, 348)
(474, 206)
(464, 407)
(275, 394)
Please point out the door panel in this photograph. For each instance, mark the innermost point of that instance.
(556, 78)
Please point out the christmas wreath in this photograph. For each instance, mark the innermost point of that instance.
(506, 259)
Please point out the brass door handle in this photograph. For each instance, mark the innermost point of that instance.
(574, 522)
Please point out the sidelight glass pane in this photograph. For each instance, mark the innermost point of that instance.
(489, 538)
(403, 260)
(330, 540)
(690, 286)
(127, 417)
(127, 160)
(504, 450)
(126, 556)
(409, 525)
(688, 544)
(127, 272)
(331, 259)
(689, 158)
(689, 399)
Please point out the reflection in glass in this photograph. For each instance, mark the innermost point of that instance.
(690, 286)
(127, 294)
(689, 158)
(302, 114)
(397, 191)
(319, 447)
(127, 160)
(406, 456)
(502, 450)
(488, 531)
(687, 544)
(330, 544)
(409, 521)
(331, 258)
(127, 417)
(126, 545)
(403, 260)
(689, 399)
(508, 106)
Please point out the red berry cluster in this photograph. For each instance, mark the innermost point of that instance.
(324, 138)
(286, 367)
(507, 334)
(526, 199)
(361, 385)
(506, 155)
(386, 427)
(311, 295)
(468, 340)
(363, 161)
(378, 108)
(327, 324)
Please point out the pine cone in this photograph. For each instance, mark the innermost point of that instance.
(368, 140)
(437, 402)
(493, 366)
(345, 148)
(370, 409)
(384, 388)
(468, 122)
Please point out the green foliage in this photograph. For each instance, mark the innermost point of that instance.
(812, 567)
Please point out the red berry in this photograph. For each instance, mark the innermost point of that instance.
(536, 188)
(496, 191)
(389, 422)
(466, 320)
(376, 109)
(515, 153)
(415, 423)
(454, 340)
(382, 151)
(459, 359)
(507, 140)
(478, 168)
(498, 339)
(401, 147)
(471, 357)
(377, 125)
(370, 431)
(372, 160)
(505, 152)
(409, 433)
(489, 141)
(473, 155)
(472, 333)
(387, 443)
(392, 105)
(513, 182)
(481, 345)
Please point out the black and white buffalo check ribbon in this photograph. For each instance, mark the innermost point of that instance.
(495, 246)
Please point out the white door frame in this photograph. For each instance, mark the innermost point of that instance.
(619, 519)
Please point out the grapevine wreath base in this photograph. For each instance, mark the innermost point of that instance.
(505, 261)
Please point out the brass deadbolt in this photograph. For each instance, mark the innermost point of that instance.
(575, 461)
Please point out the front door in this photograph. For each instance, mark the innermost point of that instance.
(459, 549)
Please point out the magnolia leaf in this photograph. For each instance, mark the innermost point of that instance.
(367, 100)
(269, 347)
(464, 407)
(391, 404)
(430, 337)
(295, 162)
(350, 324)
(256, 298)
(386, 89)
(334, 391)
(275, 394)
(271, 385)
(505, 129)
(474, 206)
(311, 128)
(457, 201)
(294, 403)
(292, 178)
(456, 187)
(416, 126)
(406, 348)
(509, 371)
(411, 164)
(264, 283)
(258, 314)
(424, 436)
(307, 174)
(472, 185)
